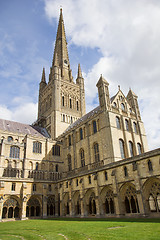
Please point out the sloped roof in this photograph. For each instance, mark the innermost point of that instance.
(22, 128)
(83, 119)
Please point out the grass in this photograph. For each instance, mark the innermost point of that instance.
(81, 229)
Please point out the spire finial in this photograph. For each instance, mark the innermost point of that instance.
(119, 87)
(60, 9)
(43, 76)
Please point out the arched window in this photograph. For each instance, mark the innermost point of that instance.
(63, 117)
(125, 172)
(56, 150)
(81, 133)
(114, 104)
(37, 147)
(123, 106)
(150, 168)
(89, 179)
(36, 165)
(77, 106)
(56, 167)
(135, 127)
(14, 152)
(118, 122)
(96, 152)
(131, 148)
(10, 139)
(82, 158)
(127, 124)
(152, 204)
(139, 148)
(121, 144)
(70, 103)
(62, 100)
(71, 120)
(94, 127)
(69, 163)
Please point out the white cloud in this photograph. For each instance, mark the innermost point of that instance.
(127, 34)
(25, 113)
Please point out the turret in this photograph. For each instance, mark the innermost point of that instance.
(132, 99)
(80, 82)
(103, 92)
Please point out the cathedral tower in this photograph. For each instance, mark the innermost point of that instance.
(61, 100)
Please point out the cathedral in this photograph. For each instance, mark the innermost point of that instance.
(70, 163)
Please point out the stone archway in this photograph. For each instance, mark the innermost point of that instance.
(107, 199)
(129, 199)
(51, 206)
(151, 189)
(11, 208)
(76, 203)
(90, 203)
(33, 208)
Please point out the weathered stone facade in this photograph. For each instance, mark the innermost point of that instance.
(74, 164)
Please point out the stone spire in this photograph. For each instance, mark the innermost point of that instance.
(43, 79)
(79, 71)
(61, 58)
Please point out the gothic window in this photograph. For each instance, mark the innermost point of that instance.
(89, 179)
(77, 106)
(139, 148)
(37, 147)
(69, 140)
(131, 148)
(10, 208)
(135, 127)
(127, 124)
(34, 187)
(33, 207)
(96, 152)
(123, 106)
(94, 126)
(66, 184)
(81, 133)
(121, 144)
(131, 203)
(82, 158)
(69, 162)
(154, 197)
(10, 139)
(13, 187)
(56, 150)
(125, 172)
(70, 103)
(56, 167)
(14, 152)
(62, 100)
(36, 165)
(109, 203)
(106, 175)
(71, 120)
(63, 117)
(150, 168)
(77, 182)
(92, 204)
(51, 206)
(118, 122)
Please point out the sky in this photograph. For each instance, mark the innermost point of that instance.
(118, 39)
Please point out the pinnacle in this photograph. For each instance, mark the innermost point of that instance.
(43, 76)
(79, 71)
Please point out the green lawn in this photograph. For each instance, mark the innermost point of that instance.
(78, 229)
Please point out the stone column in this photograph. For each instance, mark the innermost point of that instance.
(24, 203)
(116, 193)
(97, 205)
(44, 214)
(1, 208)
(82, 207)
